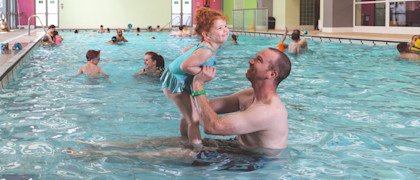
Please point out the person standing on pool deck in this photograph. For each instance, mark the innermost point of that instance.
(120, 37)
(177, 79)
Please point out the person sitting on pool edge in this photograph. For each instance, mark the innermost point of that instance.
(405, 53)
(154, 65)
(260, 125)
(91, 69)
(113, 40)
(120, 37)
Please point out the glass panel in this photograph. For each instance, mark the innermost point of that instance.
(186, 7)
(370, 14)
(176, 20)
(40, 6)
(262, 20)
(52, 6)
(238, 20)
(249, 20)
(306, 12)
(186, 19)
(368, 0)
(53, 19)
(43, 19)
(404, 14)
(176, 6)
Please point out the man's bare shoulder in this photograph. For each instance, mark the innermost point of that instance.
(244, 92)
(412, 56)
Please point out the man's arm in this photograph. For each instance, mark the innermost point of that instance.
(251, 120)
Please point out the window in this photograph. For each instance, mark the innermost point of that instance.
(370, 14)
(306, 12)
(404, 14)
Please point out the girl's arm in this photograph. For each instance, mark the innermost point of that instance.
(192, 63)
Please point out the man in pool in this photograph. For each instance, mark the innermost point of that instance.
(405, 53)
(260, 126)
(120, 37)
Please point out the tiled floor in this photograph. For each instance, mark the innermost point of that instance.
(8, 60)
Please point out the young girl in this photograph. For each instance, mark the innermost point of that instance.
(177, 79)
(57, 38)
(154, 64)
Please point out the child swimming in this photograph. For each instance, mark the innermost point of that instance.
(57, 38)
(177, 79)
(91, 69)
(113, 40)
(154, 65)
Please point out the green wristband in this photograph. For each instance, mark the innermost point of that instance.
(196, 93)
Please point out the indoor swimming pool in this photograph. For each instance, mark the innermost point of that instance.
(354, 110)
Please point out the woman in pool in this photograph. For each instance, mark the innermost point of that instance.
(177, 79)
(154, 65)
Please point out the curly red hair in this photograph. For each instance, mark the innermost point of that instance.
(204, 19)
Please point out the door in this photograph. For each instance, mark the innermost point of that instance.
(181, 12)
(47, 11)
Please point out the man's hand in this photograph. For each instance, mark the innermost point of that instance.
(206, 74)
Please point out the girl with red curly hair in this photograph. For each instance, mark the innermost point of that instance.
(177, 79)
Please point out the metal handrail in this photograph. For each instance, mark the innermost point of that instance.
(29, 24)
(170, 22)
(189, 18)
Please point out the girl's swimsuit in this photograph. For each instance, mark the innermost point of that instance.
(177, 80)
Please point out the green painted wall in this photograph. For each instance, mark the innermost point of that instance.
(227, 10)
(114, 14)
(250, 4)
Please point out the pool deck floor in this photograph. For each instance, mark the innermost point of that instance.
(8, 59)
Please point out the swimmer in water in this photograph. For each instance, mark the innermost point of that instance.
(91, 69)
(154, 65)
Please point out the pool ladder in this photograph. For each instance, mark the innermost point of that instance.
(29, 24)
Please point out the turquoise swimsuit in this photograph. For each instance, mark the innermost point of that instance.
(177, 80)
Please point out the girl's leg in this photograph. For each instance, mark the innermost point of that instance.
(184, 104)
(163, 155)
(141, 143)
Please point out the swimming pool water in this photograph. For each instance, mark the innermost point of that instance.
(354, 110)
